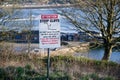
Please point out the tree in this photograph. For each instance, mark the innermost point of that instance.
(102, 16)
(8, 17)
(11, 20)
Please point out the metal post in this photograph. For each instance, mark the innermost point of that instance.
(48, 64)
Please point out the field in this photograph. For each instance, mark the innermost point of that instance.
(63, 66)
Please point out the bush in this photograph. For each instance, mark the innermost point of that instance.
(19, 71)
(2, 73)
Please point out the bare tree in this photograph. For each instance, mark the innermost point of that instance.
(6, 14)
(102, 16)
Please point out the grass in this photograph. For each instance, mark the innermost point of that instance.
(62, 67)
(95, 77)
(22, 73)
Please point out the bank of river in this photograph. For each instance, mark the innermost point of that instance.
(92, 53)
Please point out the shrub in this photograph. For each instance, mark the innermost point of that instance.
(2, 73)
(19, 71)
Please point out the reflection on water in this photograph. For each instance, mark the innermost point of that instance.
(98, 54)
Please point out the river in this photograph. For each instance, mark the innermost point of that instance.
(98, 53)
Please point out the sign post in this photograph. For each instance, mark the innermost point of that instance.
(48, 63)
(49, 34)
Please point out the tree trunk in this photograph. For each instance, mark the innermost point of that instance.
(107, 52)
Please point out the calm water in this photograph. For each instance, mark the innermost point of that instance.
(98, 54)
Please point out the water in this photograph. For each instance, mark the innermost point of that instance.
(98, 53)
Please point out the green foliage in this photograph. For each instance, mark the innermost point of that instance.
(59, 75)
(19, 71)
(2, 73)
(23, 73)
(28, 67)
(109, 78)
(95, 77)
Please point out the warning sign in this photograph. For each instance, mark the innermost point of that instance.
(49, 31)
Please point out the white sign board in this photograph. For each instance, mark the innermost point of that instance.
(49, 31)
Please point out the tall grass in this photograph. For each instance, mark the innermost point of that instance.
(63, 67)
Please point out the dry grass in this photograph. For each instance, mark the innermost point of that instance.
(61, 61)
